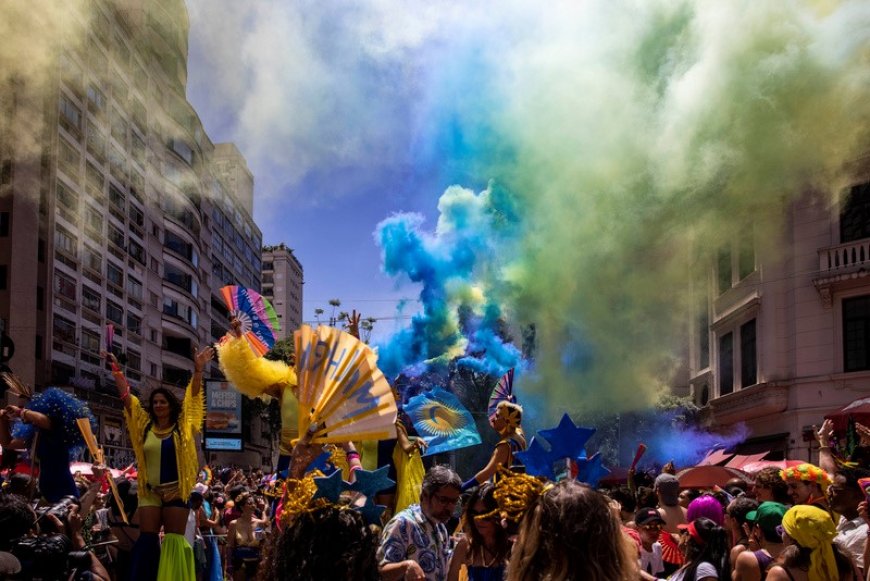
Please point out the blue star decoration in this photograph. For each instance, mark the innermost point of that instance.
(371, 512)
(567, 440)
(330, 487)
(321, 463)
(591, 470)
(370, 482)
(537, 460)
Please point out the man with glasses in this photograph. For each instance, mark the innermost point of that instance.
(415, 544)
(649, 524)
(846, 494)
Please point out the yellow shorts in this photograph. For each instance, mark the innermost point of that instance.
(161, 495)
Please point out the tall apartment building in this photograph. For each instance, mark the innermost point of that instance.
(282, 285)
(121, 216)
(783, 334)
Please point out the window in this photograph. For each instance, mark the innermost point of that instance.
(703, 335)
(855, 217)
(70, 116)
(746, 256)
(138, 149)
(65, 241)
(90, 299)
(4, 273)
(69, 158)
(6, 172)
(748, 355)
(726, 364)
(856, 333)
(64, 286)
(177, 244)
(114, 275)
(94, 180)
(117, 196)
(40, 295)
(134, 360)
(90, 341)
(176, 276)
(134, 324)
(114, 313)
(94, 220)
(136, 252)
(96, 99)
(66, 197)
(116, 236)
(64, 329)
(724, 268)
(96, 142)
(92, 259)
(134, 288)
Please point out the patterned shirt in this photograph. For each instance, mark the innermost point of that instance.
(410, 535)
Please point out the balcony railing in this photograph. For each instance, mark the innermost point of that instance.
(844, 256)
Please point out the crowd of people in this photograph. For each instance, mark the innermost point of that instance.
(320, 515)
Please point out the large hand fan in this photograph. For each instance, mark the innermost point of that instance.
(503, 391)
(443, 422)
(259, 321)
(345, 395)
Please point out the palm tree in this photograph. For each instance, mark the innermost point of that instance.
(317, 313)
(334, 303)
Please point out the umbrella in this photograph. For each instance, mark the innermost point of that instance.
(859, 410)
(708, 476)
(86, 469)
(754, 467)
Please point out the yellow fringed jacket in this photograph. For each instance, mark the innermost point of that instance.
(253, 375)
(189, 424)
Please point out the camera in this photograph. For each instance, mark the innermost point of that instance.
(60, 509)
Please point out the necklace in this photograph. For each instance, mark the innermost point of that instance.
(483, 552)
(162, 433)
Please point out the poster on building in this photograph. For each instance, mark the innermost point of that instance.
(223, 409)
(112, 431)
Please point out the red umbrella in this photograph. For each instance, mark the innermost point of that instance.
(754, 467)
(859, 410)
(708, 476)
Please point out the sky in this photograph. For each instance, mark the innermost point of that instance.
(562, 168)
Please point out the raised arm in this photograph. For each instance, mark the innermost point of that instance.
(120, 381)
(29, 416)
(500, 457)
(826, 457)
(200, 359)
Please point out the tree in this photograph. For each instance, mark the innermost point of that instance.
(317, 314)
(334, 303)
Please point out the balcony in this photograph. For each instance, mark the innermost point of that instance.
(842, 267)
(758, 400)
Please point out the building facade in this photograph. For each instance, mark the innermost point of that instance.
(123, 213)
(282, 285)
(782, 334)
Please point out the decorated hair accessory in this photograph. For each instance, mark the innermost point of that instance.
(566, 440)
(16, 386)
(511, 413)
(515, 494)
(807, 473)
(503, 391)
(63, 409)
(316, 491)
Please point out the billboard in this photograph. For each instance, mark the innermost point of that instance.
(223, 406)
(231, 444)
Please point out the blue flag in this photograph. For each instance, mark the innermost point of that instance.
(442, 421)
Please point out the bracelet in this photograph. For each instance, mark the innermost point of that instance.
(23, 416)
(115, 368)
(126, 394)
(352, 455)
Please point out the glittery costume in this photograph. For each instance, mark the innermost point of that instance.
(252, 376)
(189, 424)
(58, 446)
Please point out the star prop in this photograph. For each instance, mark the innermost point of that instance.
(370, 482)
(330, 487)
(591, 470)
(321, 463)
(537, 460)
(567, 440)
(372, 512)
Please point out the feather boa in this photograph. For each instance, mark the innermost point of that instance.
(63, 410)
